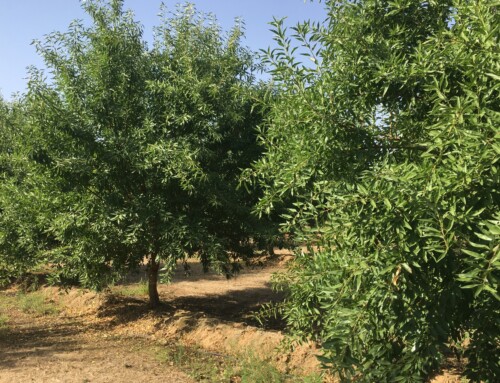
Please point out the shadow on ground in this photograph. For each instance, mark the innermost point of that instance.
(237, 306)
(24, 342)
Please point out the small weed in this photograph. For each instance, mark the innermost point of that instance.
(199, 365)
(133, 290)
(204, 366)
(36, 303)
(255, 370)
(4, 327)
(30, 282)
(4, 319)
(6, 303)
(314, 378)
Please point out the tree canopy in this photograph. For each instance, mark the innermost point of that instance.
(387, 149)
(142, 146)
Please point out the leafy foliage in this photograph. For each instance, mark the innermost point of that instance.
(386, 151)
(24, 209)
(143, 146)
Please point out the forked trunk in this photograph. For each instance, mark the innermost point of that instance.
(153, 267)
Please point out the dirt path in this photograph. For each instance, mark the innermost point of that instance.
(65, 349)
(92, 341)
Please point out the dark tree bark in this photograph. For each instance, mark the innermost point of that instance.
(153, 267)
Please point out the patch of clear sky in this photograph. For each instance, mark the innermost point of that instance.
(22, 21)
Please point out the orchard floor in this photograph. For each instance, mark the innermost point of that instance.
(83, 337)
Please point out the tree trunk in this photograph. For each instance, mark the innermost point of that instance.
(153, 267)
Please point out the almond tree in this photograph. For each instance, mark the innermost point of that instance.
(388, 148)
(144, 144)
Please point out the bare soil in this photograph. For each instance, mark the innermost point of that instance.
(112, 337)
(73, 348)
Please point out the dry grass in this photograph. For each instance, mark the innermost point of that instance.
(36, 303)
